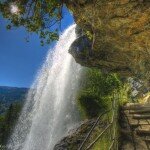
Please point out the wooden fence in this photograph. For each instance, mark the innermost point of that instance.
(110, 128)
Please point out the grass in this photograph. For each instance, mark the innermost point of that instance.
(104, 142)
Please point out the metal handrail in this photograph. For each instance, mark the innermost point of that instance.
(113, 109)
(99, 136)
(100, 116)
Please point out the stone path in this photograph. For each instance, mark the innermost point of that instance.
(136, 128)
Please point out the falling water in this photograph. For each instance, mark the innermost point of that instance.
(50, 108)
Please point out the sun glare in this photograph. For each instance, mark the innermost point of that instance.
(14, 9)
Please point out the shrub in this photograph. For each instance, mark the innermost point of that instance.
(96, 92)
(90, 104)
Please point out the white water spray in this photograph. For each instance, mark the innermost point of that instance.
(50, 108)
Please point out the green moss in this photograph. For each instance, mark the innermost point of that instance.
(124, 93)
(89, 35)
(102, 144)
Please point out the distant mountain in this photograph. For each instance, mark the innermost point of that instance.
(9, 95)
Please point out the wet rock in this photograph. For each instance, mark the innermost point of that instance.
(121, 33)
(75, 137)
(80, 48)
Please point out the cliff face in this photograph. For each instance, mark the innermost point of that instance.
(116, 35)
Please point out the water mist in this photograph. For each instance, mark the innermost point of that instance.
(50, 108)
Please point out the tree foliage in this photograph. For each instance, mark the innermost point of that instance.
(8, 121)
(96, 92)
(37, 16)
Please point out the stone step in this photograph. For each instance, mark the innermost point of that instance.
(133, 104)
(130, 113)
(145, 116)
(147, 140)
(138, 116)
(144, 129)
(140, 111)
(135, 125)
(140, 122)
(143, 132)
(141, 107)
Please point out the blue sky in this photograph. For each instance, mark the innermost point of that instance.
(19, 60)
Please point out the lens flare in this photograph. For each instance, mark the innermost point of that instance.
(14, 9)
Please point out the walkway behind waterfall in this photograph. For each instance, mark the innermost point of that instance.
(135, 126)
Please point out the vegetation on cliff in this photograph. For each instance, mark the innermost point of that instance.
(96, 92)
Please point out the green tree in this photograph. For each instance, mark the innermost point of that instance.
(37, 16)
(8, 121)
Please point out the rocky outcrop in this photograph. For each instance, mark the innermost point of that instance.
(75, 137)
(116, 35)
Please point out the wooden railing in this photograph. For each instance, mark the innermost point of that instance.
(111, 128)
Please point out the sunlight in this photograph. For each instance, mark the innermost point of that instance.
(14, 9)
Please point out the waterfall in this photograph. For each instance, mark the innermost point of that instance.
(50, 108)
